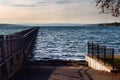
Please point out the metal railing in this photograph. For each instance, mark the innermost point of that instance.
(101, 53)
(14, 50)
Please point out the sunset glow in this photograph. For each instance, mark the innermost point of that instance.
(52, 11)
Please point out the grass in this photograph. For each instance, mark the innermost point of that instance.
(116, 62)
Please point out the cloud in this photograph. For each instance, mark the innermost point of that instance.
(22, 3)
(51, 11)
(62, 1)
(34, 3)
(19, 5)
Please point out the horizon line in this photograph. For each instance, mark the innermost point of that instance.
(56, 24)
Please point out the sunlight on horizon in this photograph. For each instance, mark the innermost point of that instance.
(52, 11)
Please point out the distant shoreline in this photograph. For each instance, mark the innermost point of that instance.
(62, 24)
(110, 24)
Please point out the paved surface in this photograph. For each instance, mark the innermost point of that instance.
(63, 73)
(81, 73)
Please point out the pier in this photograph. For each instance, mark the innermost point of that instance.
(14, 49)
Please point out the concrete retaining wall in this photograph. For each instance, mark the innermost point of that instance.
(98, 65)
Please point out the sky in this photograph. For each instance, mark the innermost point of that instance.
(52, 11)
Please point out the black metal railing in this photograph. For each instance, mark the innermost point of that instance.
(101, 53)
(14, 50)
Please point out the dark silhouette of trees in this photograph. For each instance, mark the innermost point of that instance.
(109, 6)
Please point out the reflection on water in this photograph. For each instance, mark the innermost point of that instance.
(70, 43)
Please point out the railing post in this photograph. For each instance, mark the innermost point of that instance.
(113, 59)
(98, 52)
(88, 48)
(92, 49)
(1, 47)
(104, 58)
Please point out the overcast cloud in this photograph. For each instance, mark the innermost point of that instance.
(51, 11)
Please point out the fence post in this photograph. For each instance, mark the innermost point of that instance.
(88, 48)
(92, 49)
(104, 48)
(1, 47)
(113, 58)
(98, 52)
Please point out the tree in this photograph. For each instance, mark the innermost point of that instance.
(109, 6)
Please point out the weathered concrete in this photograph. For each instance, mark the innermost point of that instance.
(63, 73)
(98, 65)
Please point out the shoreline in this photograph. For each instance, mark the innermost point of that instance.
(56, 63)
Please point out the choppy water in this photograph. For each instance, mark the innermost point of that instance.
(5, 30)
(70, 43)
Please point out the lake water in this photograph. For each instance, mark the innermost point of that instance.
(5, 30)
(69, 43)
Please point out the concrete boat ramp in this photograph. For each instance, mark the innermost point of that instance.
(55, 70)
